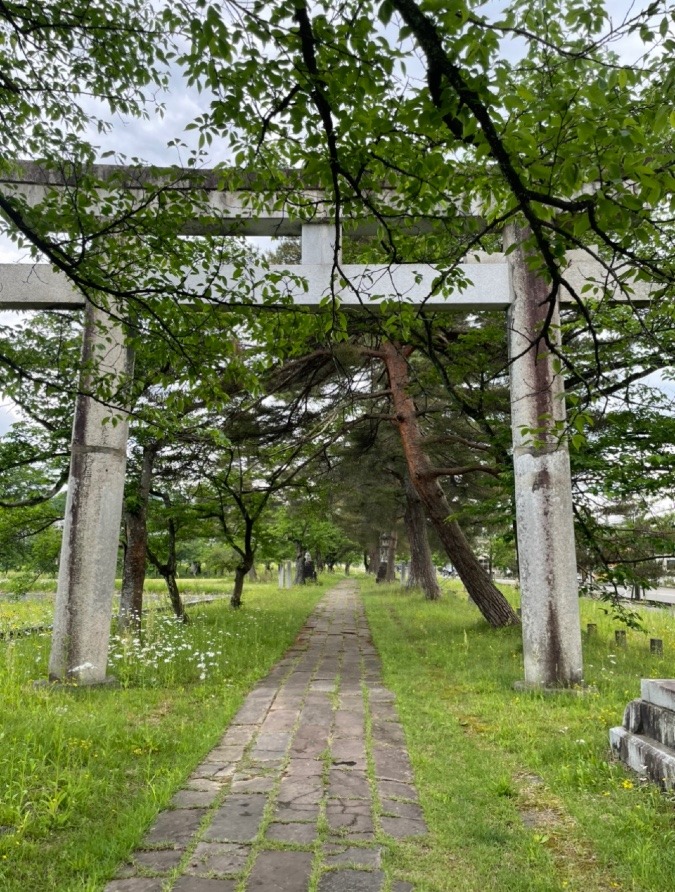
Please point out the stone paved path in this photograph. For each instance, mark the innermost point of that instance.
(287, 797)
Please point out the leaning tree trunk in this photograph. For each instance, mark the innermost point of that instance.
(174, 595)
(489, 600)
(135, 555)
(422, 569)
(169, 576)
(167, 569)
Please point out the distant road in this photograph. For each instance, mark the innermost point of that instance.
(663, 594)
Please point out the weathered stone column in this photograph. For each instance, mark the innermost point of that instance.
(93, 510)
(546, 549)
(318, 243)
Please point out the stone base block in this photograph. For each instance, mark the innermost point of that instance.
(656, 722)
(56, 684)
(530, 687)
(659, 691)
(645, 756)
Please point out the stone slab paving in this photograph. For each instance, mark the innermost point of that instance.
(296, 791)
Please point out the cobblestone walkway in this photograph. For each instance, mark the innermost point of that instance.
(287, 796)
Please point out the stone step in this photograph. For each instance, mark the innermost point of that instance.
(659, 691)
(657, 722)
(644, 755)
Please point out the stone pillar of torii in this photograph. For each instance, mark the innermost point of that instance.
(546, 551)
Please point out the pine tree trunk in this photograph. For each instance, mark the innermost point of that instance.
(489, 600)
(422, 569)
(299, 569)
(374, 559)
(133, 574)
(135, 555)
(391, 558)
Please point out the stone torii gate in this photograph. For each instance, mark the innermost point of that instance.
(549, 594)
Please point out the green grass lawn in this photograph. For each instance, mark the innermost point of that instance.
(519, 789)
(33, 611)
(84, 771)
(37, 607)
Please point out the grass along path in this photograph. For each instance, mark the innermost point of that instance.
(83, 772)
(519, 790)
(37, 607)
